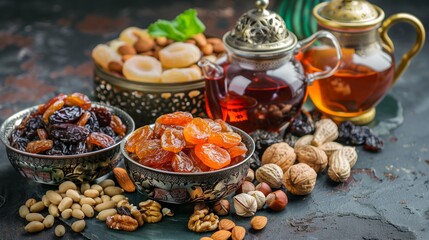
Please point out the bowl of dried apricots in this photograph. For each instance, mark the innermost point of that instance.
(183, 159)
(66, 138)
(153, 71)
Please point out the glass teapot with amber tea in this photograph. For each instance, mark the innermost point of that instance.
(367, 69)
(261, 84)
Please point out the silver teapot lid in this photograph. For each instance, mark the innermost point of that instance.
(260, 33)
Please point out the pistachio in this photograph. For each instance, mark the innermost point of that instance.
(221, 207)
(259, 197)
(245, 205)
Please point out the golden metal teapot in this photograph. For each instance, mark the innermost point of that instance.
(367, 70)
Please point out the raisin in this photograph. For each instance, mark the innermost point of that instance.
(66, 115)
(108, 130)
(197, 131)
(78, 99)
(255, 161)
(52, 109)
(182, 163)
(118, 127)
(176, 118)
(43, 135)
(263, 139)
(83, 119)
(213, 156)
(101, 139)
(173, 140)
(68, 132)
(225, 139)
(374, 143)
(123, 211)
(31, 128)
(42, 108)
(92, 123)
(104, 117)
(139, 135)
(39, 146)
(17, 139)
(300, 127)
(350, 134)
(151, 153)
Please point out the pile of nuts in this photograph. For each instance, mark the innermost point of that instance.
(105, 201)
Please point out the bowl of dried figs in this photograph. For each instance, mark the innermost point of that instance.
(66, 138)
(183, 159)
(152, 71)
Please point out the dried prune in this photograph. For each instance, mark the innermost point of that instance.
(103, 116)
(101, 139)
(373, 143)
(68, 132)
(66, 115)
(108, 130)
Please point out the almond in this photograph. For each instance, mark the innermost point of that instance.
(258, 222)
(206, 238)
(226, 224)
(123, 179)
(221, 235)
(238, 233)
(126, 50)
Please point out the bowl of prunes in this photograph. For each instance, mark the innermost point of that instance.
(66, 138)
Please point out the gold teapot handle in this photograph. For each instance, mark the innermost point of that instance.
(420, 39)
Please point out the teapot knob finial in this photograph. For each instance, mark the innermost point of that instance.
(262, 4)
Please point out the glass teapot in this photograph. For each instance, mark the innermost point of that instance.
(261, 84)
(367, 69)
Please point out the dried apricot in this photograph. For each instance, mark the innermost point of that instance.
(238, 150)
(78, 99)
(225, 126)
(176, 118)
(213, 156)
(139, 135)
(214, 126)
(198, 165)
(225, 139)
(101, 139)
(197, 131)
(173, 140)
(151, 153)
(182, 163)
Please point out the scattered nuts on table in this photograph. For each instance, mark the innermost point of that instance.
(221, 235)
(264, 188)
(203, 221)
(226, 224)
(277, 200)
(221, 207)
(122, 222)
(238, 233)
(271, 174)
(300, 179)
(258, 222)
(339, 167)
(260, 198)
(245, 205)
(313, 157)
(280, 154)
(326, 131)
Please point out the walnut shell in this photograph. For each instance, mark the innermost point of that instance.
(281, 154)
(339, 167)
(326, 131)
(300, 179)
(271, 174)
(313, 157)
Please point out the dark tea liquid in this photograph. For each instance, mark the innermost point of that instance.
(358, 85)
(252, 100)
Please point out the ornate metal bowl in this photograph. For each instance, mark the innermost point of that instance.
(49, 169)
(180, 188)
(147, 101)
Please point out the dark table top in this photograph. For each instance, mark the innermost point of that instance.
(45, 49)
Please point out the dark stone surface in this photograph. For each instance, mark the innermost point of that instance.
(45, 48)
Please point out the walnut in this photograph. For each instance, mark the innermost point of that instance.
(122, 222)
(281, 154)
(137, 216)
(300, 179)
(151, 211)
(202, 221)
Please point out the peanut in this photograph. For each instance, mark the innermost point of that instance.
(23, 211)
(92, 193)
(30, 202)
(98, 200)
(85, 186)
(105, 198)
(73, 194)
(106, 183)
(65, 203)
(87, 200)
(34, 226)
(88, 210)
(46, 201)
(53, 210)
(78, 226)
(63, 187)
(53, 197)
(102, 206)
(37, 207)
(76, 206)
(34, 217)
(118, 198)
(102, 216)
(60, 230)
(112, 191)
(97, 187)
(67, 213)
(48, 221)
(77, 213)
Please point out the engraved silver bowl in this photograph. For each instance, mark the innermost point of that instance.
(182, 188)
(50, 169)
(147, 101)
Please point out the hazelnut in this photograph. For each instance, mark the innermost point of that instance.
(264, 188)
(246, 187)
(277, 200)
(221, 207)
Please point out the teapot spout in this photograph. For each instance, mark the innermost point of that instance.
(211, 70)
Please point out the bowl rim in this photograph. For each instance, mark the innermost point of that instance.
(183, 174)
(28, 110)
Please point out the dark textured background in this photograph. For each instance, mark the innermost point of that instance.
(45, 49)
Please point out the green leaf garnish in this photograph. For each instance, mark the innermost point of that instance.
(184, 26)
